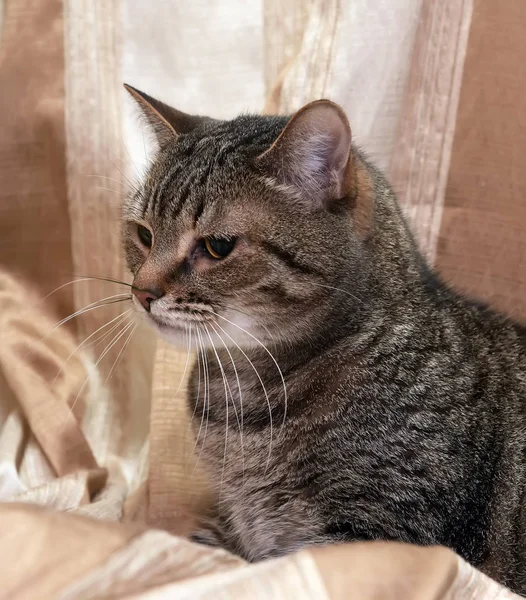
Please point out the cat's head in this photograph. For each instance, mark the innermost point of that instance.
(244, 229)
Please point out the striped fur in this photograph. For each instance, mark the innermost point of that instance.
(404, 413)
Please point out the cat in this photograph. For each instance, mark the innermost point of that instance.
(342, 391)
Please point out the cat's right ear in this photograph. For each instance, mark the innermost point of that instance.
(165, 122)
(312, 153)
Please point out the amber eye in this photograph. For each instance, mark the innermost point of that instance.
(145, 235)
(219, 247)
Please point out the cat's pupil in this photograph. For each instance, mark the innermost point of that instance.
(145, 235)
(219, 247)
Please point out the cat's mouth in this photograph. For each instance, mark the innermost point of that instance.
(201, 325)
(179, 317)
(184, 325)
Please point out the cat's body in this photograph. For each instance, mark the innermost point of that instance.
(398, 410)
(411, 427)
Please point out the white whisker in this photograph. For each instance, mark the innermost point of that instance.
(120, 317)
(196, 402)
(331, 287)
(240, 422)
(227, 391)
(106, 350)
(98, 304)
(200, 356)
(100, 187)
(126, 342)
(188, 346)
(109, 332)
(264, 391)
(271, 356)
(188, 339)
(226, 425)
(133, 186)
(206, 405)
(137, 172)
(108, 178)
(65, 285)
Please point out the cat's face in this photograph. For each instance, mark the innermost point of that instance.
(227, 248)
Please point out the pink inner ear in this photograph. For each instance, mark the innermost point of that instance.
(312, 152)
(340, 134)
(325, 138)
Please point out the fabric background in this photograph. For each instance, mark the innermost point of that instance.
(433, 89)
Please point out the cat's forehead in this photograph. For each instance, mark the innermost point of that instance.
(246, 135)
(207, 164)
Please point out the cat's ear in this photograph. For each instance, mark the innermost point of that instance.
(312, 153)
(165, 122)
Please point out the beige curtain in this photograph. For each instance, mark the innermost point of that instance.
(433, 89)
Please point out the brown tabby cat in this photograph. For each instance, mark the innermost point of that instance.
(342, 391)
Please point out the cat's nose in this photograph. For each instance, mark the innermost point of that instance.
(146, 297)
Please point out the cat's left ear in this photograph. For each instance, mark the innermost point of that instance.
(166, 123)
(312, 153)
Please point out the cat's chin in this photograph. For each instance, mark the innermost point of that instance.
(174, 334)
(174, 337)
(179, 335)
(194, 335)
(183, 339)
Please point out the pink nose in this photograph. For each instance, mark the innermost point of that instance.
(146, 297)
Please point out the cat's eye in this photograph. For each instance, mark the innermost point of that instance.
(219, 247)
(145, 235)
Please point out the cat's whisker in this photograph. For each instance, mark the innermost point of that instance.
(271, 425)
(98, 304)
(121, 351)
(133, 186)
(109, 332)
(86, 309)
(109, 279)
(331, 287)
(206, 401)
(198, 376)
(226, 407)
(100, 187)
(120, 319)
(80, 279)
(188, 352)
(108, 179)
(198, 394)
(200, 356)
(60, 287)
(116, 338)
(240, 422)
(222, 369)
(188, 340)
(136, 169)
(271, 356)
(227, 387)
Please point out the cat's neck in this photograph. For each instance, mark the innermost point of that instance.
(394, 278)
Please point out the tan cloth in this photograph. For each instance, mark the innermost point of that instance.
(49, 555)
(84, 438)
